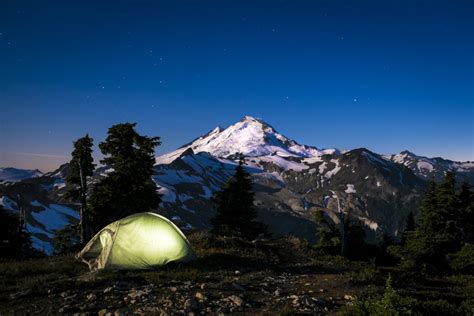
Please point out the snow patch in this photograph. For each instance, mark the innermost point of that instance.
(350, 189)
(8, 204)
(167, 195)
(336, 169)
(424, 166)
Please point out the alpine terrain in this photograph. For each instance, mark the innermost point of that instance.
(291, 181)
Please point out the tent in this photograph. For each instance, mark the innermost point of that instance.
(139, 241)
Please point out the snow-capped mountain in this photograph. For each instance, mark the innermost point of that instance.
(434, 168)
(291, 182)
(14, 174)
(250, 136)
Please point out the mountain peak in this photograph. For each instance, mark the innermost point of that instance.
(249, 136)
(248, 118)
(251, 119)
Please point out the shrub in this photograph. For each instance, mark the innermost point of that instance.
(388, 304)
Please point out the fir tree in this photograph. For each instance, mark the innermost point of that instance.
(448, 209)
(409, 227)
(465, 222)
(329, 236)
(430, 221)
(81, 167)
(410, 224)
(429, 247)
(128, 188)
(235, 210)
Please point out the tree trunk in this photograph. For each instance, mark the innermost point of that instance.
(83, 211)
(343, 235)
(342, 227)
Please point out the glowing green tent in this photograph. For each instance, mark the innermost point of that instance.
(139, 241)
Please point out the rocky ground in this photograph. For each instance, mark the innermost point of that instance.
(230, 277)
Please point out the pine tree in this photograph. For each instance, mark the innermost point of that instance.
(430, 221)
(410, 226)
(465, 222)
(81, 167)
(15, 243)
(329, 236)
(428, 247)
(448, 209)
(235, 211)
(128, 187)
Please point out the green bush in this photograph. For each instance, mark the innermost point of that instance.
(388, 304)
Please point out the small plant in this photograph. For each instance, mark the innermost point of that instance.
(388, 304)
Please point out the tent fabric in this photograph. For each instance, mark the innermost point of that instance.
(139, 241)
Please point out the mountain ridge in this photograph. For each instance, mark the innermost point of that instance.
(292, 182)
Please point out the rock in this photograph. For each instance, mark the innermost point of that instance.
(306, 301)
(121, 312)
(236, 300)
(167, 302)
(16, 295)
(238, 287)
(135, 294)
(348, 297)
(295, 301)
(173, 289)
(108, 290)
(237, 272)
(200, 296)
(64, 309)
(277, 292)
(203, 286)
(190, 304)
(91, 296)
(102, 312)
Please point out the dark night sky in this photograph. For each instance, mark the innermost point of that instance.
(387, 75)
